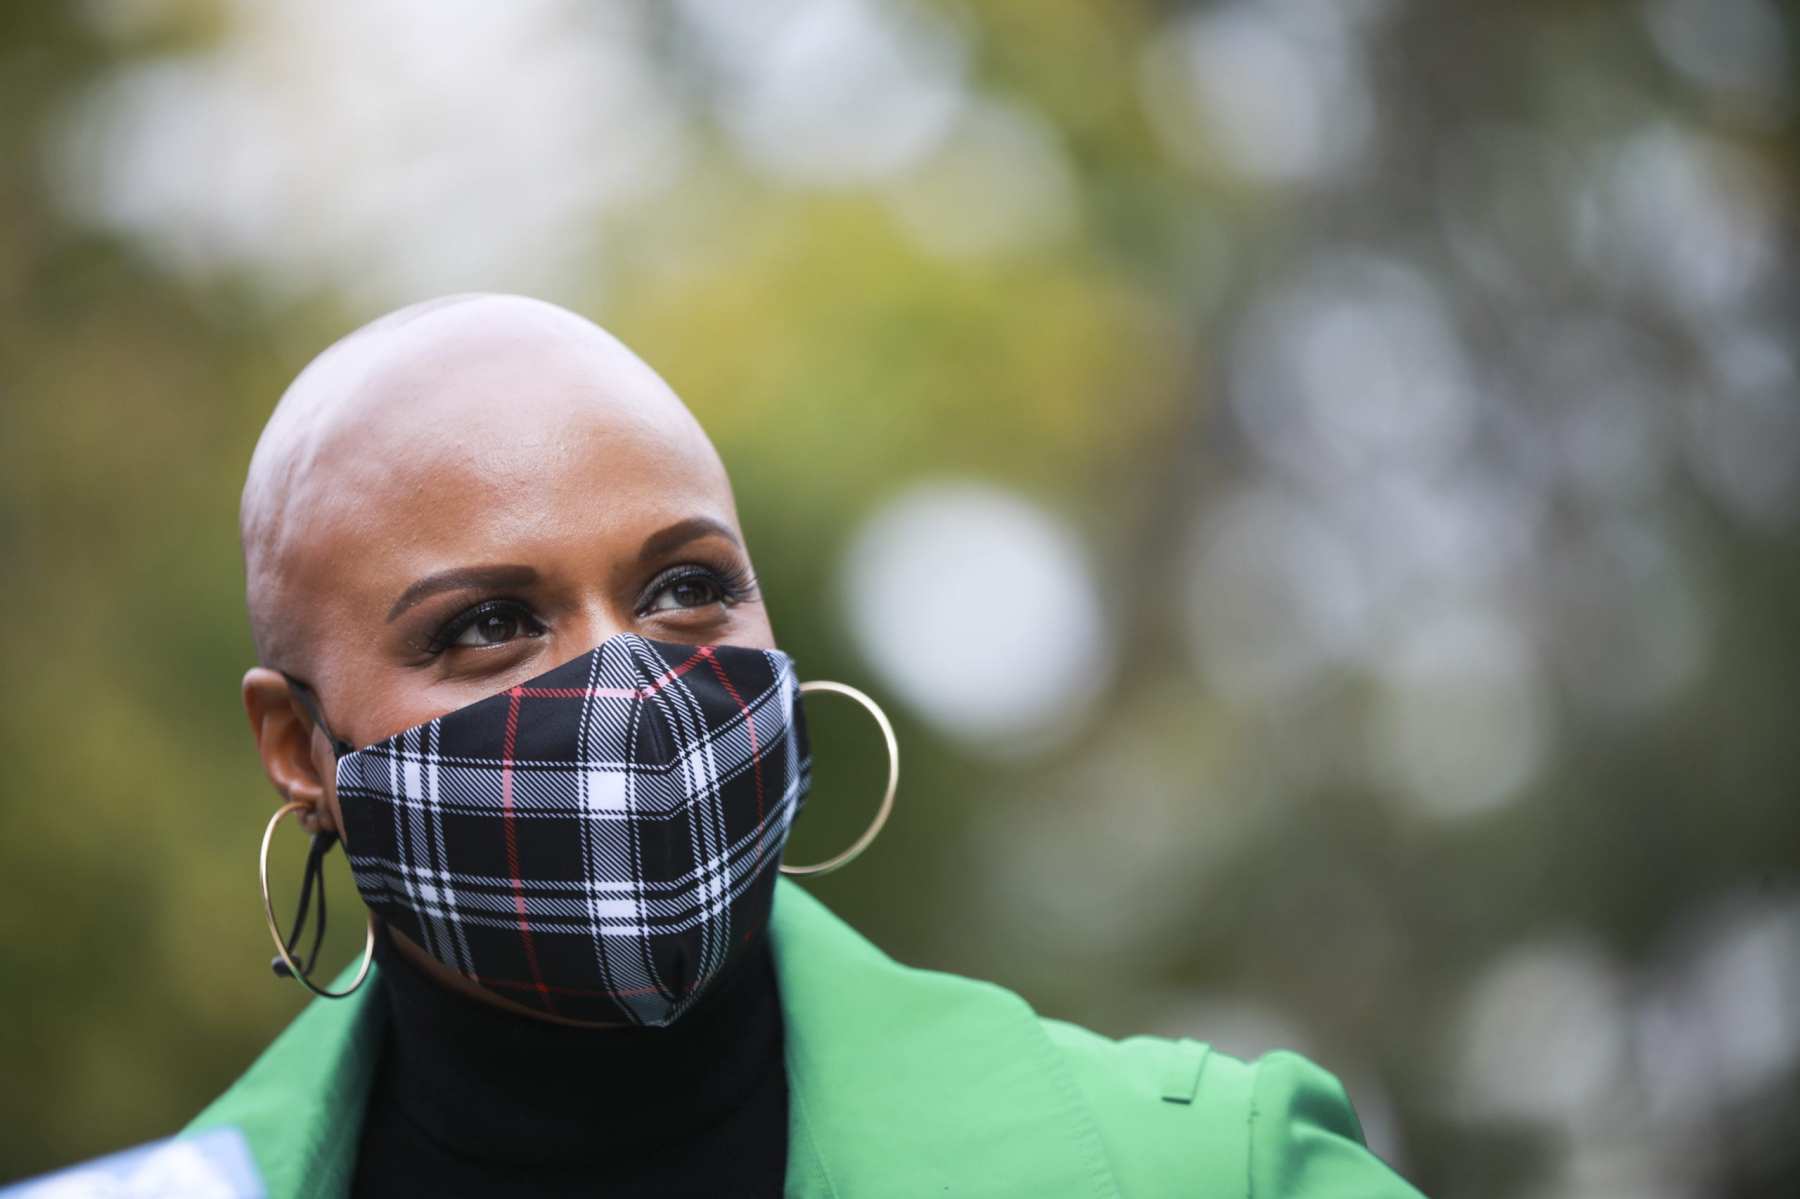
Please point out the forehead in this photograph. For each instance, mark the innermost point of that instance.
(479, 441)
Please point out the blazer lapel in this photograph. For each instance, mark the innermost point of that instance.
(909, 1082)
(301, 1104)
(901, 1082)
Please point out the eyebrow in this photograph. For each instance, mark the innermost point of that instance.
(461, 577)
(682, 532)
(655, 546)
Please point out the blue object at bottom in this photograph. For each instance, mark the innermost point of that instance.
(215, 1164)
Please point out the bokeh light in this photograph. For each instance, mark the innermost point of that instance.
(993, 634)
(1316, 482)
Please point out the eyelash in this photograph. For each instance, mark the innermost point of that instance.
(736, 585)
(453, 628)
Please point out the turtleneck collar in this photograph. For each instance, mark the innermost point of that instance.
(492, 1087)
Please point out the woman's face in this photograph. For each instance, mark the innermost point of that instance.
(484, 513)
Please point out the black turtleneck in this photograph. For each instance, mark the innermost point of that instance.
(472, 1100)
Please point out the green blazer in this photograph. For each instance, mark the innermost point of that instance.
(906, 1082)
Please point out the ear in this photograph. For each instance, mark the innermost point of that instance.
(295, 754)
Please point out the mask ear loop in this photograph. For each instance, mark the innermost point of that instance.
(284, 964)
(309, 699)
(887, 800)
(314, 874)
(322, 843)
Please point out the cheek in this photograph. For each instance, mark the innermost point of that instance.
(751, 627)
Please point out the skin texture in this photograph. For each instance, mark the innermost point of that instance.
(482, 454)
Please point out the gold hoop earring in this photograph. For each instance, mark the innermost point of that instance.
(887, 800)
(281, 947)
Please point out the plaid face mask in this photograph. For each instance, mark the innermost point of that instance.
(599, 843)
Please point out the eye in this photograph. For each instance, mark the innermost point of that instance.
(698, 590)
(692, 587)
(489, 624)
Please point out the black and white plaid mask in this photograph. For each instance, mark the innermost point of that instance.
(598, 843)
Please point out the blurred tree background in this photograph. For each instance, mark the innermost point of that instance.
(1317, 482)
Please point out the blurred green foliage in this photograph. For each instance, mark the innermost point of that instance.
(837, 361)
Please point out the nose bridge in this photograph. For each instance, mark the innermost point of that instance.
(593, 621)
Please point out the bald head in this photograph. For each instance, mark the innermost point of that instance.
(459, 405)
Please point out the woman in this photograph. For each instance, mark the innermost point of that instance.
(515, 661)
